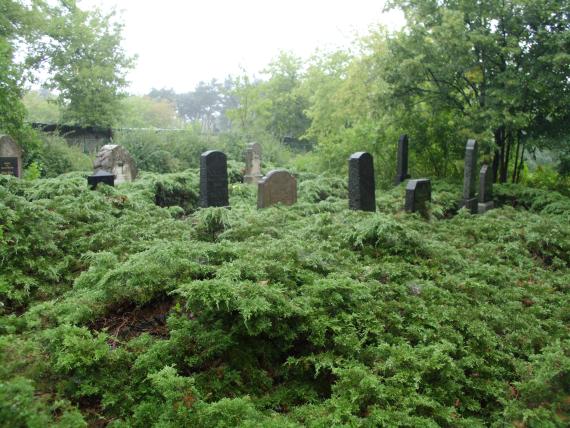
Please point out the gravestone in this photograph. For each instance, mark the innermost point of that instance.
(402, 167)
(469, 176)
(10, 157)
(101, 176)
(278, 186)
(485, 189)
(213, 179)
(252, 164)
(116, 160)
(418, 193)
(361, 185)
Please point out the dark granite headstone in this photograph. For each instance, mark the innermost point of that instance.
(213, 179)
(418, 193)
(470, 176)
(9, 166)
(485, 189)
(402, 167)
(278, 186)
(361, 185)
(101, 176)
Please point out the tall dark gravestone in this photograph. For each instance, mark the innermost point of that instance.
(101, 176)
(402, 167)
(213, 179)
(418, 193)
(470, 176)
(361, 185)
(10, 157)
(486, 180)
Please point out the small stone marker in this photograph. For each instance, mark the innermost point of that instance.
(101, 176)
(361, 185)
(402, 168)
(116, 160)
(252, 164)
(213, 179)
(278, 186)
(485, 190)
(469, 176)
(10, 157)
(418, 192)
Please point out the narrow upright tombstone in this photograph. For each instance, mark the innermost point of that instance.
(252, 164)
(485, 189)
(101, 176)
(10, 157)
(402, 168)
(470, 176)
(278, 186)
(418, 193)
(116, 160)
(361, 185)
(213, 179)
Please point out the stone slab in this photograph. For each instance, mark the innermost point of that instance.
(278, 186)
(361, 182)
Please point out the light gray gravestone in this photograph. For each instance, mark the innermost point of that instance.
(10, 157)
(116, 160)
(252, 164)
(485, 189)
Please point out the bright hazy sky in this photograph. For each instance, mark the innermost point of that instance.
(181, 42)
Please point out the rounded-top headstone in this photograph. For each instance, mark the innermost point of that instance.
(10, 157)
(116, 160)
(361, 184)
(278, 186)
(213, 179)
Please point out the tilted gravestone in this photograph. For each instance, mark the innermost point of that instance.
(252, 164)
(418, 193)
(361, 184)
(470, 176)
(213, 179)
(278, 186)
(10, 157)
(117, 161)
(101, 176)
(486, 180)
(402, 166)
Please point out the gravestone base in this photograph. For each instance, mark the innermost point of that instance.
(252, 179)
(471, 205)
(483, 207)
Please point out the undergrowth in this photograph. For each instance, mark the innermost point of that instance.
(129, 306)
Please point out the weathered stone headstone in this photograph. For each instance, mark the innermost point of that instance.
(101, 176)
(213, 179)
(402, 168)
(116, 160)
(470, 176)
(418, 193)
(485, 189)
(278, 186)
(10, 157)
(361, 185)
(252, 164)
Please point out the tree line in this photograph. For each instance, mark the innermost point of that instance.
(497, 71)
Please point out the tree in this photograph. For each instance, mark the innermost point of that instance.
(497, 67)
(86, 63)
(146, 112)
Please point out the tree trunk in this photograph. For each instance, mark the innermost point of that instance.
(499, 152)
(508, 142)
(516, 165)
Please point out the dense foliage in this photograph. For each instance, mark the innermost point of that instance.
(128, 306)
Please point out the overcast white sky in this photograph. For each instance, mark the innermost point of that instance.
(181, 42)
